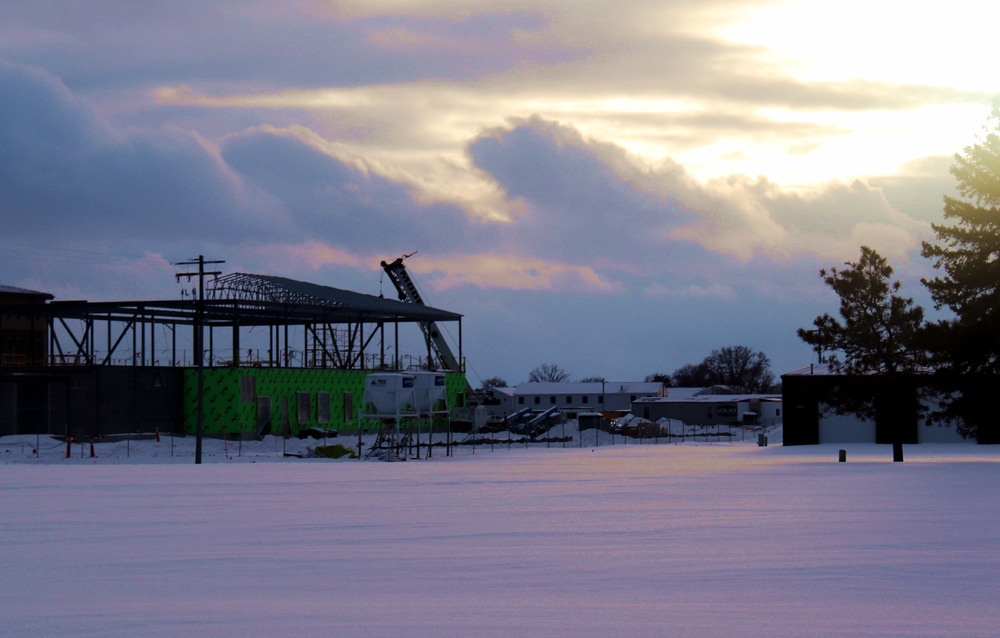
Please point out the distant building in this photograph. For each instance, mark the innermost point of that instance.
(580, 396)
(702, 406)
(497, 403)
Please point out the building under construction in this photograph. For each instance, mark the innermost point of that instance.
(243, 354)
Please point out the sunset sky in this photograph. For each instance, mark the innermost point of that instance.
(614, 187)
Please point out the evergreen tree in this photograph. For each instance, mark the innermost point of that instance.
(877, 334)
(968, 253)
(877, 329)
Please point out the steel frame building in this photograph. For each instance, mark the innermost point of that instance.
(98, 368)
(232, 304)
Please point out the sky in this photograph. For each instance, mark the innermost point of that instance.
(664, 178)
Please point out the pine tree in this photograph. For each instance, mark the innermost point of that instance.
(968, 251)
(877, 329)
(877, 335)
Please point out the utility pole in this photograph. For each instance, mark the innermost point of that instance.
(199, 337)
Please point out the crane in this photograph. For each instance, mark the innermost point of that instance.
(408, 292)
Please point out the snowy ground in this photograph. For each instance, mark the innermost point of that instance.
(696, 539)
(145, 449)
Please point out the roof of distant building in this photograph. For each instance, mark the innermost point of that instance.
(683, 393)
(812, 368)
(711, 398)
(590, 387)
(14, 290)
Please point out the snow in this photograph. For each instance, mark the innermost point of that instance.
(696, 539)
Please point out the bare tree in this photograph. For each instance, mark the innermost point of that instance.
(661, 377)
(692, 375)
(493, 382)
(736, 366)
(548, 372)
(742, 367)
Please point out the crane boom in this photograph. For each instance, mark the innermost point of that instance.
(408, 292)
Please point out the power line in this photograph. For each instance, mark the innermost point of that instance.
(64, 254)
(199, 336)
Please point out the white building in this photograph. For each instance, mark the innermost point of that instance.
(699, 406)
(570, 397)
(584, 396)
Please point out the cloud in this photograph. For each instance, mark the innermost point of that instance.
(511, 272)
(308, 43)
(577, 191)
(343, 201)
(919, 187)
(313, 254)
(712, 291)
(660, 176)
(578, 213)
(826, 220)
(582, 192)
(67, 173)
(407, 85)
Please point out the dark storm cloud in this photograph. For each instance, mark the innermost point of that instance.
(342, 204)
(65, 172)
(581, 193)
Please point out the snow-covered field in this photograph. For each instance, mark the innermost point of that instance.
(696, 539)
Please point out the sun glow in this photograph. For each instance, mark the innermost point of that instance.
(928, 44)
(880, 84)
(930, 61)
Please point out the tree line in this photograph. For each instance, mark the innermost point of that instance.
(737, 368)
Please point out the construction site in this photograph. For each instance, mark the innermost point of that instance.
(238, 355)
